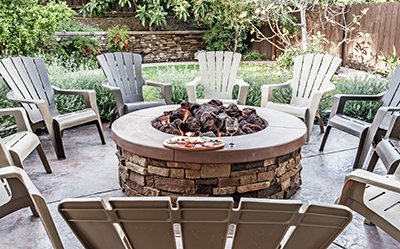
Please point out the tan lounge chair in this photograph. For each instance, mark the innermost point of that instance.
(148, 222)
(125, 80)
(29, 83)
(16, 147)
(369, 134)
(375, 197)
(388, 149)
(17, 191)
(312, 76)
(218, 76)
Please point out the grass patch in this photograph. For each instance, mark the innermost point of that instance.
(256, 74)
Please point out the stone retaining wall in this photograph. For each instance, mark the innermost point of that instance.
(277, 178)
(155, 46)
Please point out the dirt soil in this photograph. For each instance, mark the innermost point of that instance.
(134, 24)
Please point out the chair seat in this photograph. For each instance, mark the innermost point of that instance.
(73, 119)
(225, 101)
(347, 124)
(298, 111)
(141, 105)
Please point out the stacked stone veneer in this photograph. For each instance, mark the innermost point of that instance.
(277, 178)
(154, 46)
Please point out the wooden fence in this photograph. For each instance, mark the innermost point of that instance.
(380, 23)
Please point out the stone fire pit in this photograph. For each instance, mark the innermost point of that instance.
(265, 164)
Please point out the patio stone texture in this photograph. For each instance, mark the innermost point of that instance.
(271, 178)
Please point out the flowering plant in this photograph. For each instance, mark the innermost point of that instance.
(118, 39)
(78, 48)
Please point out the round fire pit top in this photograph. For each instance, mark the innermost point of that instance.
(285, 133)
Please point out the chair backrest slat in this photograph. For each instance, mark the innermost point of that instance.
(13, 79)
(323, 223)
(28, 79)
(205, 223)
(262, 223)
(144, 220)
(137, 62)
(124, 70)
(227, 71)
(311, 73)
(130, 71)
(211, 71)
(148, 222)
(116, 78)
(89, 221)
(220, 81)
(119, 61)
(218, 73)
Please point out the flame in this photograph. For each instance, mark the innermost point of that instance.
(165, 120)
(189, 134)
(181, 131)
(186, 115)
(219, 134)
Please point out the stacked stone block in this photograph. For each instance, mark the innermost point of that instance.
(156, 46)
(277, 178)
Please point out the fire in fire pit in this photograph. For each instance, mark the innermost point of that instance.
(208, 119)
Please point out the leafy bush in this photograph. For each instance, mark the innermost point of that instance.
(391, 62)
(26, 25)
(118, 39)
(364, 84)
(253, 56)
(73, 26)
(79, 50)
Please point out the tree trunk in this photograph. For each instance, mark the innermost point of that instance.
(304, 28)
(236, 41)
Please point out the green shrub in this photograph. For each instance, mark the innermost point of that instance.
(79, 50)
(74, 26)
(118, 39)
(253, 56)
(26, 25)
(365, 84)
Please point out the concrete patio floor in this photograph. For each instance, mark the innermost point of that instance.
(90, 170)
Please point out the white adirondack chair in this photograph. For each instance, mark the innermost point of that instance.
(218, 76)
(312, 74)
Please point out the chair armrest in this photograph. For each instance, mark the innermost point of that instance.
(365, 177)
(107, 85)
(11, 97)
(166, 89)
(243, 89)
(266, 91)
(20, 174)
(20, 116)
(339, 101)
(191, 89)
(88, 95)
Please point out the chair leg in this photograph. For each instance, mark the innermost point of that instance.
(362, 150)
(309, 124)
(100, 130)
(320, 121)
(372, 162)
(57, 141)
(47, 221)
(43, 158)
(325, 138)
